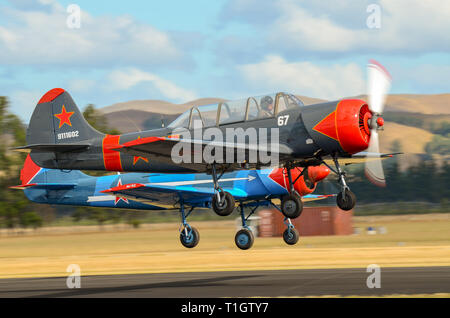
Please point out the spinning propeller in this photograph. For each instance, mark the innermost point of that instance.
(379, 82)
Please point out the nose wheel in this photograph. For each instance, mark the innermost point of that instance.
(290, 235)
(244, 239)
(189, 235)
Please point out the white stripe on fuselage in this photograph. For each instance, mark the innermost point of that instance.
(191, 182)
(100, 198)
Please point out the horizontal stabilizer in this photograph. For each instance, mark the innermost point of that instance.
(53, 147)
(49, 186)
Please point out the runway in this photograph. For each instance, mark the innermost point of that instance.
(276, 283)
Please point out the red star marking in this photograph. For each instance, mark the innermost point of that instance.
(64, 117)
(136, 158)
(119, 183)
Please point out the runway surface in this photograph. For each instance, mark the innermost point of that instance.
(305, 282)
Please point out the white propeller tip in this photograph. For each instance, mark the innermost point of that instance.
(376, 180)
(381, 68)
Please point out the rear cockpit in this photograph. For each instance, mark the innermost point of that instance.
(227, 112)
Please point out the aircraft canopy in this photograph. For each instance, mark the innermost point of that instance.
(227, 112)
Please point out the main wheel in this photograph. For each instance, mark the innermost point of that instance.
(348, 202)
(225, 206)
(291, 206)
(291, 236)
(191, 239)
(244, 239)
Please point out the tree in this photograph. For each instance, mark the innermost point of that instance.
(438, 145)
(97, 120)
(12, 131)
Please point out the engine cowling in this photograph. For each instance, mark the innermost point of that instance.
(342, 126)
(306, 184)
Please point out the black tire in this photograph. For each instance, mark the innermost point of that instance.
(291, 236)
(291, 206)
(192, 239)
(244, 239)
(227, 206)
(348, 202)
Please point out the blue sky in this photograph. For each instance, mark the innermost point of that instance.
(182, 50)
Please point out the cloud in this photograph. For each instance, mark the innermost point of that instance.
(40, 36)
(127, 78)
(81, 85)
(305, 78)
(426, 77)
(24, 101)
(330, 27)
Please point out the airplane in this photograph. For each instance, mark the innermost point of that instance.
(155, 191)
(336, 132)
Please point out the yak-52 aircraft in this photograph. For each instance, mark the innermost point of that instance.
(154, 191)
(331, 132)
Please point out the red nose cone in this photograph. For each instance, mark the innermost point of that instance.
(318, 173)
(380, 121)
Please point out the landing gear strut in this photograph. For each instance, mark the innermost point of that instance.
(222, 201)
(291, 204)
(290, 235)
(189, 236)
(244, 238)
(346, 199)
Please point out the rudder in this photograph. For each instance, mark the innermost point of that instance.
(57, 119)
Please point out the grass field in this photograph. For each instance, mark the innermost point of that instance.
(417, 240)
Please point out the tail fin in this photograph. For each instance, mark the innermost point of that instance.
(28, 174)
(57, 120)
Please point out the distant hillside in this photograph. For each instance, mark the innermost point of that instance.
(128, 121)
(413, 140)
(158, 106)
(424, 104)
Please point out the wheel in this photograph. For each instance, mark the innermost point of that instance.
(291, 236)
(226, 206)
(191, 240)
(291, 206)
(244, 239)
(348, 202)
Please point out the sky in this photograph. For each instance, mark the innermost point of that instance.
(182, 50)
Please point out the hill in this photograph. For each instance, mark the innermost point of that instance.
(412, 139)
(431, 104)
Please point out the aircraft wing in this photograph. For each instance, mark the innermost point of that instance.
(165, 193)
(161, 148)
(362, 157)
(316, 197)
